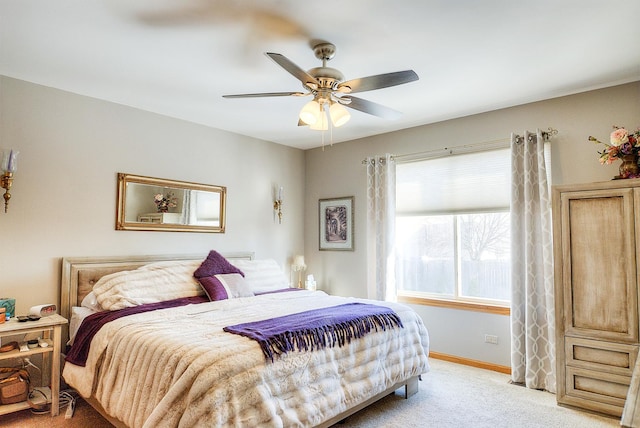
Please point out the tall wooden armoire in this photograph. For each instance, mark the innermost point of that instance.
(596, 231)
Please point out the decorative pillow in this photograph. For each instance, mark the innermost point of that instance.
(262, 275)
(225, 286)
(215, 264)
(152, 283)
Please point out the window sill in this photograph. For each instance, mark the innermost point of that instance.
(456, 304)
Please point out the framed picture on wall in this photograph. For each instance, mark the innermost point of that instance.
(336, 224)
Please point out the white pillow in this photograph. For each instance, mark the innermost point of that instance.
(262, 275)
(91, 302)
(78, 314)
(152, 283)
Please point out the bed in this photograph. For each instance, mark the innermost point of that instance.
(177, 366)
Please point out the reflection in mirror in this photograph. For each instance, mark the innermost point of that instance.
(146, 203)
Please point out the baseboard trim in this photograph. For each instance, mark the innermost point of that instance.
(470, 362)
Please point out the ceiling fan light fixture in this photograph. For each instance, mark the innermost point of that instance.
(339, 114)
(310, 112)
(322, 124)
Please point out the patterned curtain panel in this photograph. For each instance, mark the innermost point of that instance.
(381, 206)
(532, 298)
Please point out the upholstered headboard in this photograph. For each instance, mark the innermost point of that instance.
(79, 274)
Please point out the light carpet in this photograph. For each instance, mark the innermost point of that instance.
(453, 395)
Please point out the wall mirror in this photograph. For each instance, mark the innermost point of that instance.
(146, 203)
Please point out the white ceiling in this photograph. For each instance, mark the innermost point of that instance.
(178, 57)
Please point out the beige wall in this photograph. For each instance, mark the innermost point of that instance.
(337, 171)
(64, 193)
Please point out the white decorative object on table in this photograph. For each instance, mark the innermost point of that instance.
(310, 283)
(299, 266)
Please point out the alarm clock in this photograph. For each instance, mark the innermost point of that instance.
(43, 310)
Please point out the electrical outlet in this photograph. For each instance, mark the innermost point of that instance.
(490, 338)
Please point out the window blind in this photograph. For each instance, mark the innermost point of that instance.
(471, 182)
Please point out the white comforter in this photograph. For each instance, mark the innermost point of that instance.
(176, 367)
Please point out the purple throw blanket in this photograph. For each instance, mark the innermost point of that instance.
(318, 328)
(93, 323)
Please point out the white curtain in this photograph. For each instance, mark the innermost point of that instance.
(532, 298)
(189, 208)
(381, 206)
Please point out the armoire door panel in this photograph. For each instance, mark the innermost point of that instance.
(600, 265)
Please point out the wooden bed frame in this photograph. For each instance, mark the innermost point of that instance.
(79, 274)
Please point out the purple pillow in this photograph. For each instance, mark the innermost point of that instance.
(225, 286)
(215, 264)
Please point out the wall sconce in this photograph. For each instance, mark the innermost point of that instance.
(9, 166)
(277, 204)
(299, 266)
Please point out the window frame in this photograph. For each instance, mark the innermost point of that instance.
(408, 297)
(458, 301)
(493, 306)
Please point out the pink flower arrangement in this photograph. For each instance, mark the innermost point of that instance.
(164, 202)
(622, 142)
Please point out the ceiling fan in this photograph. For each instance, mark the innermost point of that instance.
(331, 92)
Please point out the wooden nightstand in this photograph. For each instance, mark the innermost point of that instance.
(160, 218)
(51, 330)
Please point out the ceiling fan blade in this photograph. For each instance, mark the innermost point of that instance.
(370, 107)
(297, 72)
(378, 81)
(267, 94)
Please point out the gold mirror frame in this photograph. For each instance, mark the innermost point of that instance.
(137, 208)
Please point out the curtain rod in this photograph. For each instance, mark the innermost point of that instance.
(487, 145)
(546, 135)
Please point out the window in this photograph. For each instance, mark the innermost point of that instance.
(453, 227)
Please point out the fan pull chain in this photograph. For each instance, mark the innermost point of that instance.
(330, 132)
